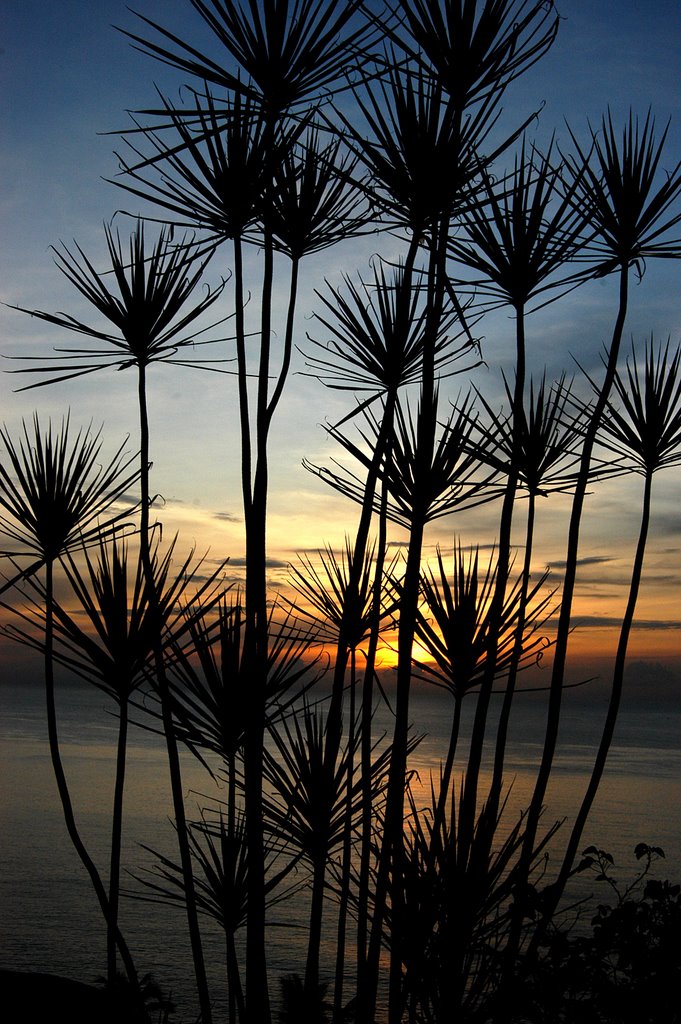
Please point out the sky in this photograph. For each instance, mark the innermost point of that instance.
(67, 78)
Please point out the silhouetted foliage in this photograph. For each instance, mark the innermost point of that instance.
(308, 124)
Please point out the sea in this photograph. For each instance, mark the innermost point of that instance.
(49, 919)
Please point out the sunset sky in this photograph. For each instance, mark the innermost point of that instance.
(67, 75)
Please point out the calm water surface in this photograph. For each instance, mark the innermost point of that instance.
(48, 916)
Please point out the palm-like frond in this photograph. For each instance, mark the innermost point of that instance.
(454, 622)
(147, 308)
(544, 448)
(208, 702)
(313, 202)
(643, 419)
(286, 51)
(629, 208)
(433, 484)
(292, 668)
(328, 599)
(524, 230)
(216, 174)
(310, 800)
(423, 159)
(449, 477)
(122, 625)
(128, 626)
(221, 878)
(377, 335)
(475, 49)
(208, 681)
(113, 650)
(57, 493)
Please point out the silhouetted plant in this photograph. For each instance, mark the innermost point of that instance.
(299, 1006)
(540, 442)
(524, 232)
(138, 1006)
(115, 649)
(646, 429)
(309, 804)
(304, 124)
(625, 968)
(631, 213)
(521, 238)
(219, 852)
(475, 50)
(149, 309)
(453, 625)
(56, 494)
(326, 600)
(287, 53)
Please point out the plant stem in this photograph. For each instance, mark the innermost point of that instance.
(60, 777)
(167, 715)
(347, 849)
(509, 691)
(470, 794)
(116, 838)
(563, 632)
(608, 730)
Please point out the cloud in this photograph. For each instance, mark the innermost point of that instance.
(227, 517)
(666, 524)
(613, 622)
(319, 549)
(662, 577)
(587, 560)
(272, 563)
(595, 583)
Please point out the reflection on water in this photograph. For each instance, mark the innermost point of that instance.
(49, 919)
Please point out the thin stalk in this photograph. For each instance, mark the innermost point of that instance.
(60, 777)
(255, 660)
(335, 713)
(242, 373)
(449, 763)
(398, 763)
(563, 632)
(383, 443)
(263, 419)
(116, 838)
(288, 342)
(509, 692)
(167, 716)
(347, 850)
(235, 993)
(315, 925)
(611, 717)
(470, 794)
(237, 1006)
(393, 847)
(366, 744)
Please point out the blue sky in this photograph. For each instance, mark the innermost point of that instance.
(66, 76)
